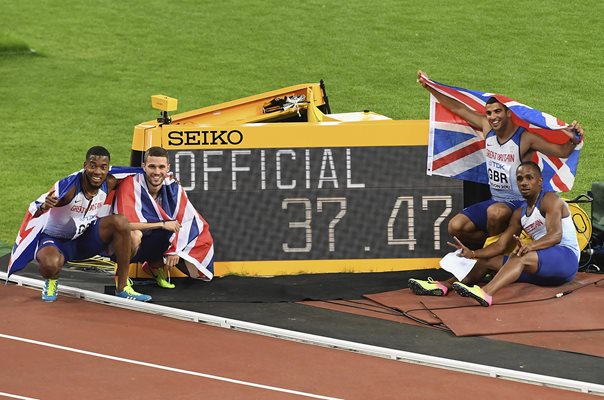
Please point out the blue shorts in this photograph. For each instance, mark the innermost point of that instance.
(477, 213)
(556, 265)
(153, 245)
(87, 245)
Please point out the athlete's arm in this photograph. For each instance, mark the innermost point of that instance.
(531, 142)
(473, 118)
(505, 240)
(172, 226)
(52, 201)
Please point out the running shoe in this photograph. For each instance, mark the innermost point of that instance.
(131, 294)
(474, 292)
(162, 277)
(427, 288)
(51, 290)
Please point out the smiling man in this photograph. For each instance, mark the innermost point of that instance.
(73, 229)
(506, 146)
(165, 225)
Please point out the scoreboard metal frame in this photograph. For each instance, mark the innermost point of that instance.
(313, 197)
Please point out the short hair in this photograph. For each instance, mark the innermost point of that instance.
(98, 151)
(493, 100)
(155, 151)
(531, 164)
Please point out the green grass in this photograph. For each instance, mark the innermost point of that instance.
(10, 45)
(102, 61)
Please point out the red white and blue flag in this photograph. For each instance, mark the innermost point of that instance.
(456, 149)
(193, 242)
(26, 244)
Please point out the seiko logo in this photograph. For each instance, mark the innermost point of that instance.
(204, 138)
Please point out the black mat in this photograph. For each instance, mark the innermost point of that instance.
(290, 288)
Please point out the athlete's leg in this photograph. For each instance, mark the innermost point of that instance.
(482, 268)
(511, 271)
(498, 218)
(115, 229)
(136, 238)
(466, 231)
(50, 261)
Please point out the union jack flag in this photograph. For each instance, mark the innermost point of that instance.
(455, 148)
(193, 242)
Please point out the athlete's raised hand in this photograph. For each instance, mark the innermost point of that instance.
(465, 251)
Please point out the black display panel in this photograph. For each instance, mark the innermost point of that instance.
(319, 203)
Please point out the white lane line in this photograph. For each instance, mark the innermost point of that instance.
(16, 396)
(165, 368)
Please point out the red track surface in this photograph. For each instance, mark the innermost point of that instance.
(35, 370)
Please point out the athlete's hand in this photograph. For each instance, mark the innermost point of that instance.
(577, 132)
(171, 260)
(50, 201)
(465, 252)
(521, 248)
(172, 226)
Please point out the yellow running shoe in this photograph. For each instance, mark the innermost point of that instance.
(474, 292)
(162, 277)
(427, 288)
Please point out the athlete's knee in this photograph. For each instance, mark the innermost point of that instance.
(50, 262)
(499, 213)
(119, 224)
(458, 225)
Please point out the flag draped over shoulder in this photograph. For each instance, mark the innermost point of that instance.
(192, 243)
(26, 243)
(456, 149)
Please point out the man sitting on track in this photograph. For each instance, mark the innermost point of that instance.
(69, 227)
(551, 259)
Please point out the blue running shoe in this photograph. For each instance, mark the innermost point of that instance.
(51, 290)
(131, 294)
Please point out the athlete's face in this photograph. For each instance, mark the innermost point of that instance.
(156, 169)
(529, 181)
(96, 169)
(498, 116)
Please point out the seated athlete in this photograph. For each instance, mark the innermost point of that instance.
(550, 259)
(165, 225)
(71, 228)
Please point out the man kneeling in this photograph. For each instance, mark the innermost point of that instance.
(551, 259)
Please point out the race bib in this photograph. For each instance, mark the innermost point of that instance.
(499, 175)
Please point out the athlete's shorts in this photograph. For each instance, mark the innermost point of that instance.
(556, 265)
(87, 245)
(477, 213)
(153, 245)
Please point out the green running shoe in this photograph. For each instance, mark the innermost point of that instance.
(161, 276)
